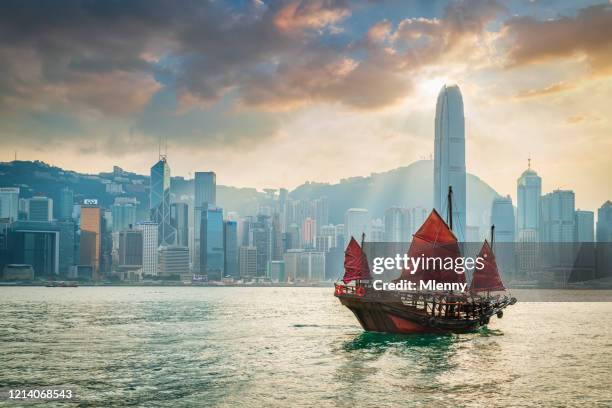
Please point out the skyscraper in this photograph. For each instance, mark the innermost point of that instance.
(66, 203)
(205, 188)
(211, 243)
(604, 222)
(248, 262)
(502, 216)
(309, 229)
(124, 213)
(449, 157)
(179, 219)
(90, 240)
(150, 231)
(230, 245)
(528, 192)
(160, 202)
(9, 203)
(585, 226)
(558, 210)
(173, 260)
(40, 209)
(357, 222)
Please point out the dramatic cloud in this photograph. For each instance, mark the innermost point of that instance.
(550, 89)
(588, 35)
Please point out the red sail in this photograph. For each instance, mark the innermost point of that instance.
(355, 263)
(487, 278)
(437, 247)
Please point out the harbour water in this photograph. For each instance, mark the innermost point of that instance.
(198, 346)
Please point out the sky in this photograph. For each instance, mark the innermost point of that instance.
(273, 94)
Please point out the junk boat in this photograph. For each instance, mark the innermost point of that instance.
(418, 311)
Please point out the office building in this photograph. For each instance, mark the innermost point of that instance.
(230, 246)
(584, 222)
(66, 202)
(247, 262)
(357, 222)
(276, 271)
(558, 222)
(123, 213)
(502, 217)
(159, 202)
(173, 261)
(211, 243)
(179, 218)
(309, 230)
(311, 267)
(9, 203)
(150, 239)
(40, 209)
(449, 157)
(292, 264)
(529, 207)
(90, 238)
(205, 183)
(604, 222)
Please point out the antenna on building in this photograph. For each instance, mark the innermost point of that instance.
(529, 162)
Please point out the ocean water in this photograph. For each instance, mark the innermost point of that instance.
(252, 347)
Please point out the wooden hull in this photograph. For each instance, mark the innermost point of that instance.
(390, 315)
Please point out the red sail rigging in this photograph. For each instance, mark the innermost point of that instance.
(355, 263)
(488, 277)
(437, 247)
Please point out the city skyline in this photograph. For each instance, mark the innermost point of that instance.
(265, 119)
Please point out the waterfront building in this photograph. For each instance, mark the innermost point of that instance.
(150, 239)
(40, 209)
(377, 230)
(558, 212)
(604, 222)
(230, 246)
(276, 271)
(173, 260)
(311, 267)
(529, 207)
(159, 202)
(9, 203)
(179, 219)
(90, 239)
(449, 157)
(292, 263)
(357, 222)
(247, 262)
(211, 243)
(502, 216)
(584, 222)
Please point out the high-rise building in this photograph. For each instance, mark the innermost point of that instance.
(309, 229)
(179, 218)
(47, 246)
(277, 271)
(40, 209)
(159, 202)
(449, 157)
(230, 245)
(417, 216)
(130, 248)
(211, 243)
(205, 189)
(584, 226)
(397, 225)
(320, 212)
(66, 202)
(558, 221)
(150, 231)
(604, 222)
(123, 213)
(377, 231)
(91, 236)
(173, 260)
(292, 263)
(261, 238)
(502, 216)
(247, 262)
(311, 266)
(323, 243)
(293, 238)
(357, 222)
(9, 203)
(529, 207)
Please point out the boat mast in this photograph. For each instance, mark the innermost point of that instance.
(492, 236)
(450, 207)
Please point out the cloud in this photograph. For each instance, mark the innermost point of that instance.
(588, 34)
(550, 89)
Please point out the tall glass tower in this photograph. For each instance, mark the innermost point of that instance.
(160, 202)
(529, 207)
(449, 157)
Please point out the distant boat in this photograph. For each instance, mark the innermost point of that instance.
(62, 284)
(419, 311)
